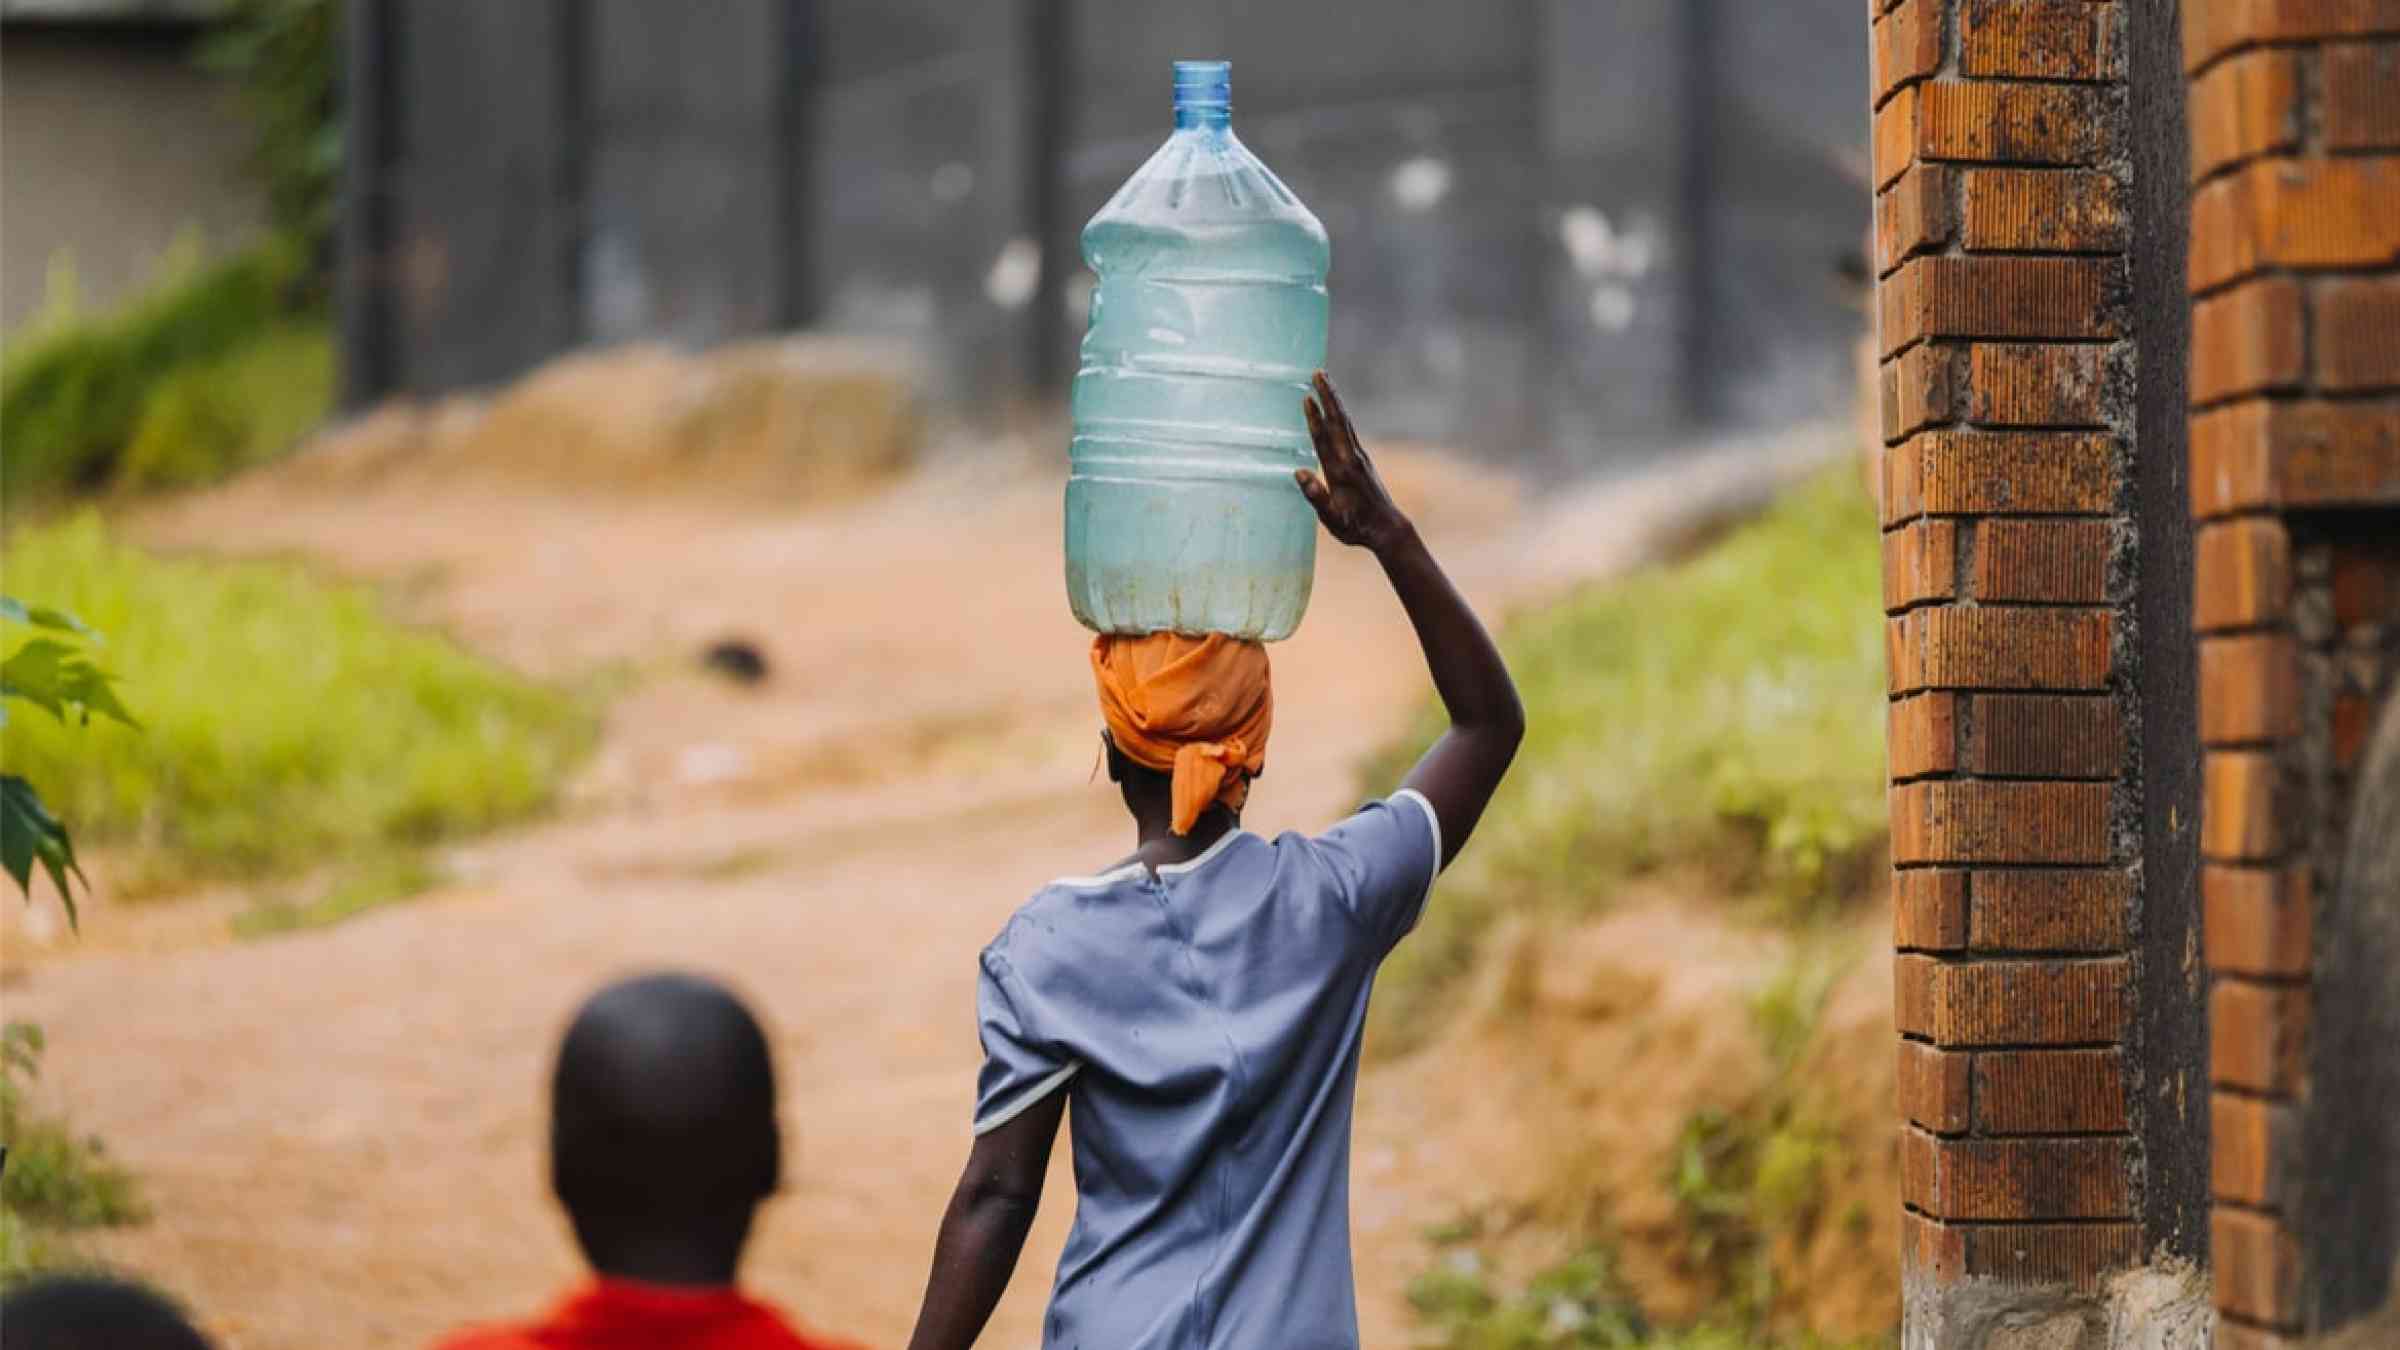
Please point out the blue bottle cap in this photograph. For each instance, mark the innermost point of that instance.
(1204, 84)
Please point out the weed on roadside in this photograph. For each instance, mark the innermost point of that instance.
(54, 1181)
(1741, 1180)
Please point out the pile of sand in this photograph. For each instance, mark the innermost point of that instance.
(787, 419)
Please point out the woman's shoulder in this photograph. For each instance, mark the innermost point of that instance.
(1060, 914)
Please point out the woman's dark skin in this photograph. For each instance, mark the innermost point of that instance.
(992, 1210)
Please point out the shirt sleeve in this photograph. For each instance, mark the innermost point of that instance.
(1383, 861)
(1019, 1068)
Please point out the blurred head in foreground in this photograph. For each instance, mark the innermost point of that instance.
(89, 1312)
(662, 1144)
(662, 1130)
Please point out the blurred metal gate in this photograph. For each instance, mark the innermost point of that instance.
(1562, 230)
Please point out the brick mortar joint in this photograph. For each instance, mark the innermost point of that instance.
(2246, 46)
(2311, 278)
(2308, 96)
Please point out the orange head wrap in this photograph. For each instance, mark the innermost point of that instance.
(1198, 708)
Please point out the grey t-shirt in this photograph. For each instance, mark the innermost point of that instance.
(1207, 1021)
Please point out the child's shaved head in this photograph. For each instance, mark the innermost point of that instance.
(92, 1312)
(663, 1137)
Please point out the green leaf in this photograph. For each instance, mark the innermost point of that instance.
(89, 687)
(30, 834)
(42, 616)
(32, 674)
(55, 676)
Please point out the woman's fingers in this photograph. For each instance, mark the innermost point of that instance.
(1332, 457)
(1329, 403)
(1337, 450)
(1328, 440)
(1338, 416)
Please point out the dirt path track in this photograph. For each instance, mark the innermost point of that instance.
(341, 1132)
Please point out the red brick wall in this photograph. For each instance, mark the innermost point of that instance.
(2295, 449)
(2002, 223)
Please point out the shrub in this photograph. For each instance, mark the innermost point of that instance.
(1723, 712)
(74, 392)
(222, 416)
(285, 720)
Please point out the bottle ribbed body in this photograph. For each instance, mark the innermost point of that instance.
(1208, 318)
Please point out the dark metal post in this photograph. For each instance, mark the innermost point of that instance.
(2170, 1020)
(568, 210)
(1048, 70)
(363, 273)
(795, 152)
(1697, 204)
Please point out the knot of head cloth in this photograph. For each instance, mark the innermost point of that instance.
(1196, 708)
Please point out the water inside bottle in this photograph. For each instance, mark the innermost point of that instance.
(1207, 321)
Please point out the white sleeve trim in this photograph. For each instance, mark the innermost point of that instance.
(1025, 1100)
(1432, 822)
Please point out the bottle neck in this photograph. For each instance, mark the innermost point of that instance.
(1209, 116)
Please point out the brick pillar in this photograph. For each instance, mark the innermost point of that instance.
(2005, 213)
(2295, 480)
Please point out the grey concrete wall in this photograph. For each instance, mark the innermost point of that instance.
(111, 146)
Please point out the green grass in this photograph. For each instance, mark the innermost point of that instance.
(1723, 712)
(218, 417)
(1741, 1178)
(56, 1182)
(205, 372)
(367, 884)
(286, 720)
(1582, 1303)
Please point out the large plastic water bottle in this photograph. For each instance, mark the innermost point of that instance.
(1207, 322)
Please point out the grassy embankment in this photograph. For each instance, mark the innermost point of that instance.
(1717, 718)
(287, 723)
(1722, 713)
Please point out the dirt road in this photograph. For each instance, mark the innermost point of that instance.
(340, 1131)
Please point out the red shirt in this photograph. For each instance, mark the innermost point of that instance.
(622, 1315)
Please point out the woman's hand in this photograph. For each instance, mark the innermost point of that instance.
(1350, 498)
(1459, 774)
